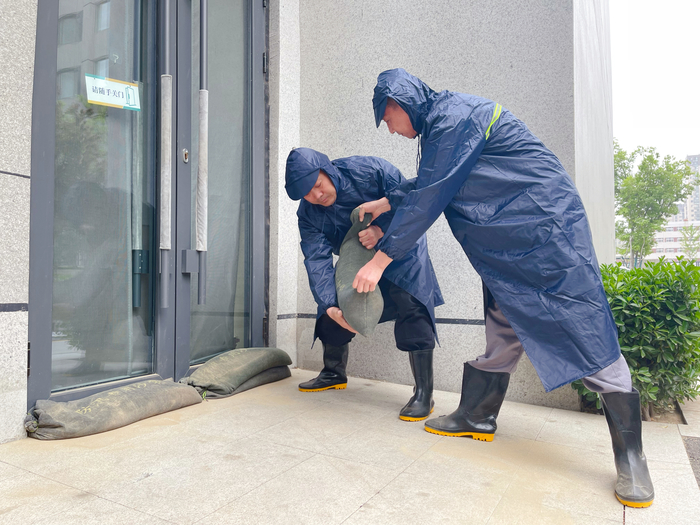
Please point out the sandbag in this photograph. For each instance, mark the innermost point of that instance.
(107, 410)
(361, 310)
(227, 373)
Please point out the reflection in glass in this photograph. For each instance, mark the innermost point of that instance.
(223, 323)
(70, 28)
(102, 67)
(102, 16)
(100, 188)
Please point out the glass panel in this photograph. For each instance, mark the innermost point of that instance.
(102, 16)
(222, 324)
(70, 28)
(102, 315)
(102, 67)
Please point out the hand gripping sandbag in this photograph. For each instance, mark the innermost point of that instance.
(238, 370)
(361, 310)
(107, 410)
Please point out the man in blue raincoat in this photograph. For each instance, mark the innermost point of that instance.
(329, 192)
(518, 216)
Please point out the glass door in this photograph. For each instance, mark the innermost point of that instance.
(104, 199)
(220, 48)
(148, 237)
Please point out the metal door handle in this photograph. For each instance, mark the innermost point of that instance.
(166, 124)
(203, 156)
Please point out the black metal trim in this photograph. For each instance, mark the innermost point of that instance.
(182, 182)
(259, 241)
(447, 320)
(41, 207)
(15, 174)
(14, 307)
(438, 320)
(296, 316)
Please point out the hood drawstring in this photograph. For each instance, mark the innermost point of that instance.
(418, 155)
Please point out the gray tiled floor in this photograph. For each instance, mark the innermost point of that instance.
(276, 455)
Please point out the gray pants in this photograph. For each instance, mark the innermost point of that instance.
(503, 351)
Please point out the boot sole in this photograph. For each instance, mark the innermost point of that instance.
(342, 386)
(408, 418)
(473, 435)
(634, 504)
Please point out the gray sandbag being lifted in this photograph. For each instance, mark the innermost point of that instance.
(107, 410)
(361, 310)
(239, 370)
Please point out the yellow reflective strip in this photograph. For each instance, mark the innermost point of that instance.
(494, 118)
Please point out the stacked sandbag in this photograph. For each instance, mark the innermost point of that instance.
(107, 410)
(239, 370)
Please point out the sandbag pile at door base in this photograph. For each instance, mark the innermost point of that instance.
(239, 370)
(107, 410)
(227, 374)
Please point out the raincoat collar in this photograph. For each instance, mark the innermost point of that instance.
(412, 94)
(303, 165)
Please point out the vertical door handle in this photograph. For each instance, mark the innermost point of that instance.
(202, 198)
(166, 126)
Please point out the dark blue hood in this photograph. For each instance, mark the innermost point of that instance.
(303, 165)
(411, 93)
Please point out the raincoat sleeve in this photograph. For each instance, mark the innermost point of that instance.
(452, 146)
(318, 259)
(388, 180)
(398, 194)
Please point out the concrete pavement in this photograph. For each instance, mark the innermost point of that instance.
(276, 455)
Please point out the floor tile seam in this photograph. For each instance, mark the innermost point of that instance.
(605, 520)
(330, 455)
(502, 495)
(376, 493)
(596, 451)
(297, 447)
(230, 502)
(126, 507)
(546, 418)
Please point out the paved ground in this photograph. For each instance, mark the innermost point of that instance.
(276, 455)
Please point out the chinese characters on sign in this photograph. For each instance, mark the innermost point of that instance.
(112, 93)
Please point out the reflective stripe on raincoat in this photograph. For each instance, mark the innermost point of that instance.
(518, 216)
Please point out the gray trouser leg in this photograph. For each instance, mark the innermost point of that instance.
(503, 351)
(613, 378)
(503, 348)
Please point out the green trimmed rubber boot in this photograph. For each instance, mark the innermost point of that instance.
(421, 404)
(482, 396)
(335, 361)
(624, 416)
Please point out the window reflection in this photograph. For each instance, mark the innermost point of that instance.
(102, 22)
(70, 28)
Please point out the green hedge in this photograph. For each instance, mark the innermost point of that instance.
(657, 313)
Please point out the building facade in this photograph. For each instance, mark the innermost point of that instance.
(101, 157)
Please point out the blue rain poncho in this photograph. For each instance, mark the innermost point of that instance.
(356, 180)
(518, 216)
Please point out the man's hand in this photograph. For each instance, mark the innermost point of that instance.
(374, 208)
(367, 278)
(370, 237)
(337, 315)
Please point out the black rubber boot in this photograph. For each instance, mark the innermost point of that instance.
(335, 361)
(624, 415)
(482, 397)
(420, 406)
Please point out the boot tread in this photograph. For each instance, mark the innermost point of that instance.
(635, 504)
(341, 386)
(473, 435)
(411, 418)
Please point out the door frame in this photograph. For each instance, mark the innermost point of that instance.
(171, 331)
